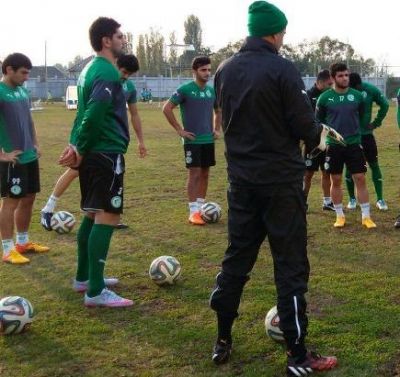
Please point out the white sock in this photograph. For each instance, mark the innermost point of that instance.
(8, 245)
(327, 200)
(365, 210)
(51, 204)
(200, 202)
(193, 207)
(339, 210)
(22, 238)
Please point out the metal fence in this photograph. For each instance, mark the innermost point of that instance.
(161, 87)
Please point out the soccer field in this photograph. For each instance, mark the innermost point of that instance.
(354, 292)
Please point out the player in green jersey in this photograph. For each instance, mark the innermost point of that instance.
(19, 169)
(101, 141)
(342, 108)
(127, 65)
(397, 222)
(371, 94)
(196, 101)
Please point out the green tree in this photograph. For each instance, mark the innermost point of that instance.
(193, 32)
(141, 54)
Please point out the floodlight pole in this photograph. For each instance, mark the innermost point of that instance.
(45, 68)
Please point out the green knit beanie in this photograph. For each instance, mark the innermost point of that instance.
(265, 19)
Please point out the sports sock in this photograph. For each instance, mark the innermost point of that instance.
(339, 210)
(8, 245)
(377, 180)
(193, 207)
(225, 327)
(22, 238)
(98, 244)
(51, 204)
(200, 202)
(82, 272)
(327, 200)
(350, 184)
(365, 210)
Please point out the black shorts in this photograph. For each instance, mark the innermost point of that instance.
(316, 163)
(101, 178)
(18, 180)
(199, 155)
(370, 149)
(352, 155)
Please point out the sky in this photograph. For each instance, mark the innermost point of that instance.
(369, 27)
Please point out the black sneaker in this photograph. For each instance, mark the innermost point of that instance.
(45, 220)
(222, 352)
(121, 226)
(328, 207)
(313, 363)
(397, 223)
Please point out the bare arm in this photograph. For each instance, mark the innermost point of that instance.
(168, 110)
(35, 140)
(217, 123)
(137, 127)
(9, 157)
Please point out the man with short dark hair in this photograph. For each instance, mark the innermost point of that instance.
(265, 114)
(196, 100)
(19, 169)
(370, 94)
(101, 141)
(342, 108)
(127, 65)
(313, 164)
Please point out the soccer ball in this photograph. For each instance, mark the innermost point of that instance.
(62, 222)
(165, 270)
(16, 314)
(210, 212)
(272, 325)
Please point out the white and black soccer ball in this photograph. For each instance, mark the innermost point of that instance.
(272, 325)
(210, 212)
(16, 314)
(62, 222)
(165, 270)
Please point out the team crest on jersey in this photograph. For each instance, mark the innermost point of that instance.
(364, 94)
(350, 97)
(202, 94)
(116, 201)
(15, 189)
(326, 165)
(308, 162)
(208, 93)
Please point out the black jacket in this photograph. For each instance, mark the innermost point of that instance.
(265, 113)
(313, 94)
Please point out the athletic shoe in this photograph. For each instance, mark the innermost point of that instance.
(352, 204)
(313, 363)
(14, 257)
(31, 247)
(397, 223)
(107, 298)
(195, 219)
(45, 220)
(222, 351)
(328, 207)
(381, 205)
(340, 221)
(121, 226)
(367, 222)
(81, 286)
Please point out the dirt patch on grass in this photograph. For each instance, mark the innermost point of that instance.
(319, 304)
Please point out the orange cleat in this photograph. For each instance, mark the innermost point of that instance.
(31, 247)
(340, 221)
(367, 222)
(195, 219)
(14, 257)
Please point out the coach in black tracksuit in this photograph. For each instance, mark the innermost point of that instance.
(265, 113)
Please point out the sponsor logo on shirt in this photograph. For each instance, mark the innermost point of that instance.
(108, 90)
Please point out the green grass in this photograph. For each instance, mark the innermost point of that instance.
(353, 301)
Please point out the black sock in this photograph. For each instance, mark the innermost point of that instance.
(225, 327)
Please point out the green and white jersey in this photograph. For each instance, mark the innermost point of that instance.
(196, 105)
(398, 108)
(16, 125)
(130, 91)
(101, 124)
(372, 94)
(343, 112)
